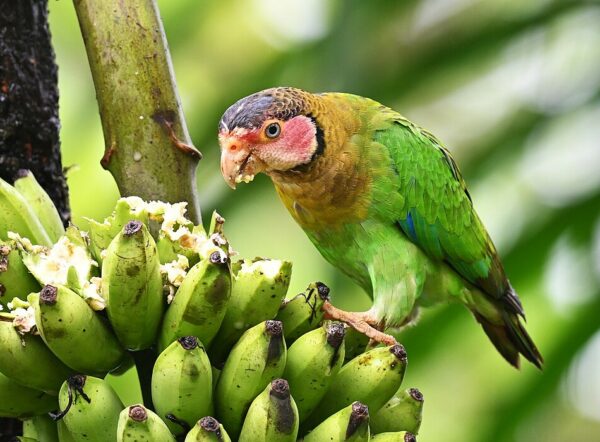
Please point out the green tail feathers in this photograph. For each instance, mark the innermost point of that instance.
(509, 335)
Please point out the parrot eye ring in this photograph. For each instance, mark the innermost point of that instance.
(273, 130)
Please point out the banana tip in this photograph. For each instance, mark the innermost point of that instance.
(138, 413)
(280, 388)
(49, 295)
(416, 394)
(399, 351)
(209, 424)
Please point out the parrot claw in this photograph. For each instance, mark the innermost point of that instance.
(359, 321)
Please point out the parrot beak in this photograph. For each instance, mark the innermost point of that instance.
(238, 164)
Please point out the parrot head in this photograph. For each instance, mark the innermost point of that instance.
(269, 131)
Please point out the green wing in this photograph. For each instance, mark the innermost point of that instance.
(437, 213)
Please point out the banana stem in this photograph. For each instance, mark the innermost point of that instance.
(147, 146)
(144, 362)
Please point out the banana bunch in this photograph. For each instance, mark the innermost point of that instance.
(222, 353)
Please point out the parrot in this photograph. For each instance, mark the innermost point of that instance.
(382, 200)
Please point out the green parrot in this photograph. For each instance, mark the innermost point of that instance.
(383, 201)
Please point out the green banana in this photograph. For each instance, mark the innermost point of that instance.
(137, 423)
(21, 402)
(40, 203)
(15, 279)
(64, 435)
(27, 360)
(371, 378)
(403, 412)
(200, 303)
(41, 428)
(312, 363)
(356, 344)
(182, 384)
(257, 358)
(74, 332)
(132, 286)
(272, 416)
(26, 439)
(303, 313)
(19, 217)
(349, 424)
(399, 436)
(208, 429)
(101, 234)
(258, 288)
(89, 408)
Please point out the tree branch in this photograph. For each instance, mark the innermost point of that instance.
(29, 124)
(147, 146)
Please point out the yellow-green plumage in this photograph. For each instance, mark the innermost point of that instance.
(384, 202)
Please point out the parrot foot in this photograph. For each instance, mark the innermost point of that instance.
(361, 322)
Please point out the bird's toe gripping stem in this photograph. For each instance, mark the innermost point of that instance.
(361, 322)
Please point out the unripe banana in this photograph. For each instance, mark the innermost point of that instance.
(208, 429)
(64, 435)
(74, 332)
(371, 378)
(90, 409)
(257, 359)
(137, 424)
(22, 402)
(40, 428)
(19, 217)
(303, 313)
(26, 439)
(403, 412)
(312, 363)
(40, 203)
(258, 288)
(132, 286)
(27, 360)
(200, 303)
(349, 424)
(356, 344)
(182, 384)
(15, 279)
(399, 436)
(272, 416)
(101, 234)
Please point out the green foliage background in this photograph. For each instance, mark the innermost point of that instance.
(512, 87)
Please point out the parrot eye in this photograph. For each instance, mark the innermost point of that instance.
(273, 130)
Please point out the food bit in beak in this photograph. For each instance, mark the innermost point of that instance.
(243, 178)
